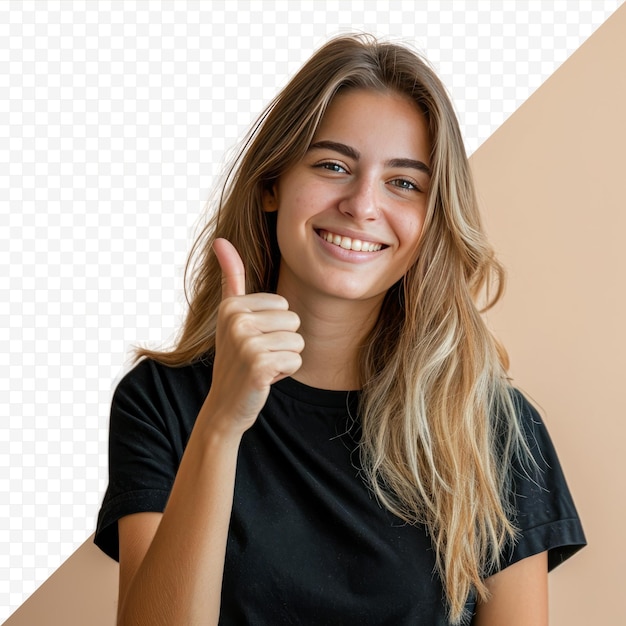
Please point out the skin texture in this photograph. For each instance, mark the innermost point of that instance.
(367, 184)
(519, 595)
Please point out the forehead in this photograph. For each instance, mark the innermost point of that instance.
(385, 121)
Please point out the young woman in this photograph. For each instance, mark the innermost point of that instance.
(334, 439)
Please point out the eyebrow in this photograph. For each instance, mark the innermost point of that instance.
(351, 153)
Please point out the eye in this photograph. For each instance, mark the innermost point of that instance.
(405, 184)
(331, 166)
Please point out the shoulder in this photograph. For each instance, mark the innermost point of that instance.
(151, 381)
(157, 398)
(154, 375)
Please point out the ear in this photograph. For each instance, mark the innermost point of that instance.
(270, 199)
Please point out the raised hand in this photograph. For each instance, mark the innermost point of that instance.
(256, 345)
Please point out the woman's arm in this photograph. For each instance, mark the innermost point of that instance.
(171, 565)
(519, 595)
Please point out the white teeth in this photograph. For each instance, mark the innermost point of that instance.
(350, 244)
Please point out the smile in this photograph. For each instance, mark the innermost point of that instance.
(350, 244)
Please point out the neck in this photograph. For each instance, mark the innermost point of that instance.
(333, 331)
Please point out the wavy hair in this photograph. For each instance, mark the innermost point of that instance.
(438, 417)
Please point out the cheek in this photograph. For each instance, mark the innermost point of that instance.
(290, 222)
(296, 207)
(411, 230)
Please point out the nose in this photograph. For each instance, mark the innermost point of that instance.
(361, 201)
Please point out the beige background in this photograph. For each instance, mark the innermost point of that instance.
(551, 184)
(551, 181)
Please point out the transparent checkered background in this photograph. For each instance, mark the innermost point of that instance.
(114, 121)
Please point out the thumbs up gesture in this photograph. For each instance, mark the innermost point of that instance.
(256, 345)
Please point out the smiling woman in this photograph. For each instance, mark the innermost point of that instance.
(334, 350)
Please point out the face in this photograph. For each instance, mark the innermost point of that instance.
(350, 214)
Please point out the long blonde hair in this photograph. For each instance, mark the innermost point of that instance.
(438, 417)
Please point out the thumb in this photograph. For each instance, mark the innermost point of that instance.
(233, 272)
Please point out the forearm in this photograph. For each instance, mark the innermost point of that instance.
(179, 580)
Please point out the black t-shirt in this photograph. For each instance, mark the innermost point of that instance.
(308, 543)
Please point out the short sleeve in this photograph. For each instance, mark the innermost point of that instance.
(545, 513)
(152, 415)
